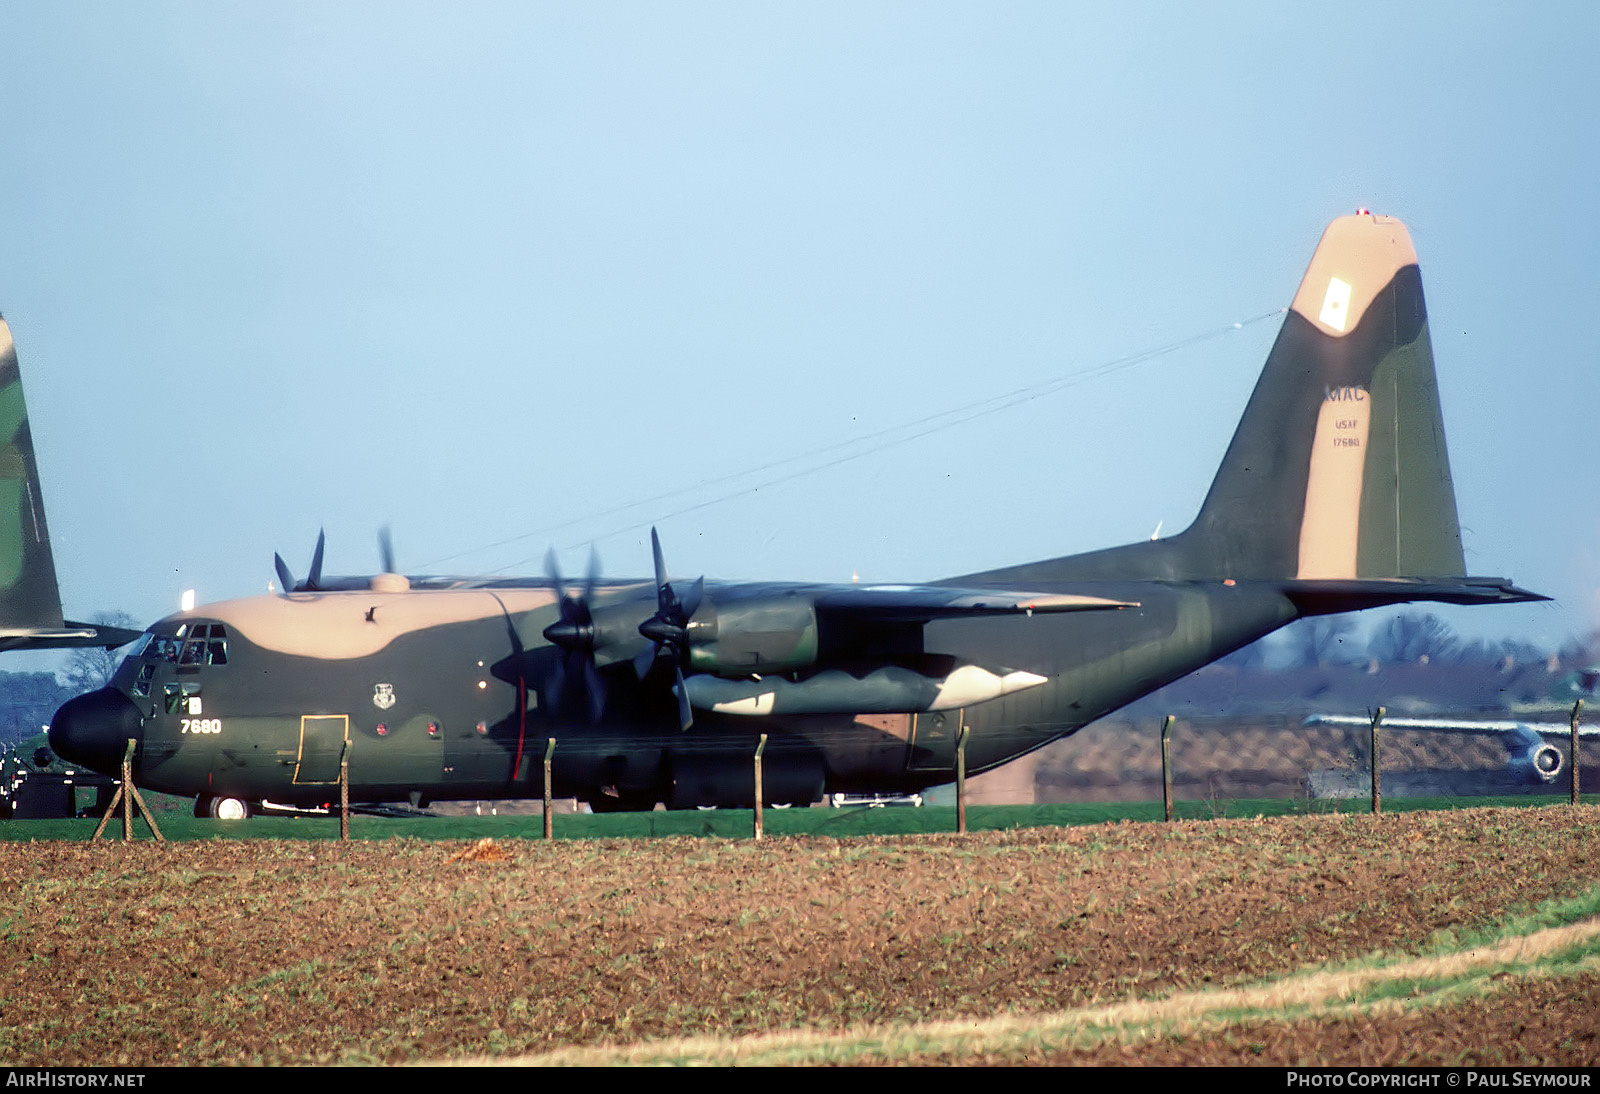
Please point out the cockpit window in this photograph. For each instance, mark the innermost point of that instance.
(194, 644)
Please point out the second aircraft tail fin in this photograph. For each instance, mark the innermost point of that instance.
(30, 600)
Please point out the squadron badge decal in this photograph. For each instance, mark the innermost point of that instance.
(383, 696)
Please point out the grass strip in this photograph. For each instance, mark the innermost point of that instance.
(1455, 971)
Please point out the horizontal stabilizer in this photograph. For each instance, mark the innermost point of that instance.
(69, 636)
(1320, 597)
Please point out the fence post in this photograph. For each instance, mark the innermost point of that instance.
(961, 781)
(344, 791)
(761, 747)
(1377, 791)
(1166, 772)
(1577, 710)
(128, 795)
(549, 752)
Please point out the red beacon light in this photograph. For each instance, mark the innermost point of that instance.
(1363, 212)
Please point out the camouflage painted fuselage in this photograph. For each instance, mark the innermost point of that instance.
(434, 705)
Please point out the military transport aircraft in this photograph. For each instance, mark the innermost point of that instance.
(1334, 495)
(30, 600)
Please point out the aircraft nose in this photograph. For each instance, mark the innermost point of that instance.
(94, 730)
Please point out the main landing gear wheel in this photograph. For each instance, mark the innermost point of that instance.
(223, 808)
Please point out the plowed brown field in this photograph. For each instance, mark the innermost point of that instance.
(284, 952)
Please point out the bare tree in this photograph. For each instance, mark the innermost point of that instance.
(1322, 640)
(90, 668)
(1412, 636)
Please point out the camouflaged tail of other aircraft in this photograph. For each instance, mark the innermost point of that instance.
(1334, 495)
(30, 600)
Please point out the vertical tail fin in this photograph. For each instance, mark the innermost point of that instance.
(1338, 469)
(29, 596)
(1337, 474)
(30, 600)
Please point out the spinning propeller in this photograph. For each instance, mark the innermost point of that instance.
(668, 630)
(577, 636)
(574, 634)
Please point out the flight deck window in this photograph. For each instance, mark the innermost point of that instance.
(207, 644)
(162, 649)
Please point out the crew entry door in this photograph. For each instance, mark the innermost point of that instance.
(933, 740)
(322, 740)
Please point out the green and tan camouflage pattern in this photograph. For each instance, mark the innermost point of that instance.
(28, 592)
(30, 600)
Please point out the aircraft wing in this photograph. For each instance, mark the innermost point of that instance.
(923, 603)
(762, 631)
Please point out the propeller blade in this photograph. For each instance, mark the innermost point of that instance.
(386, 550)
(685, 713)
(285, 578)
(691, 603)
(314, 578)
(646, 661)
(596, 689)
(555, 684)
(553, 571)
(661, 564)
(313, 581)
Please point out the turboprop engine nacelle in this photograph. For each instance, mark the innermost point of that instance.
(767, 635)
(1530, 755)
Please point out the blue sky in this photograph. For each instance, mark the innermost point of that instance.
(488, 272)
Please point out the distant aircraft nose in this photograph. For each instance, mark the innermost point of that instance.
(94, 730)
